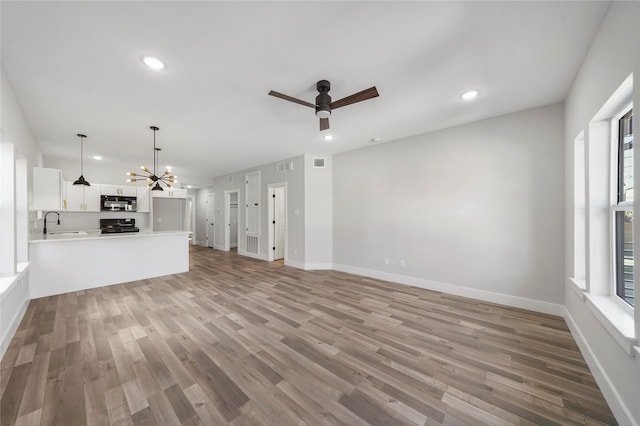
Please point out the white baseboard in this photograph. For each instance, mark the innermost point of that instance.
(618, 408)
(13, 326)
(309, 266)
(294, 263)
(487, 296)
(218, 247)
(318, 266)
(253, 255)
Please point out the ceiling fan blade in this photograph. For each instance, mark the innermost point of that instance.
(364, 95)
(291, 99)
(324, 124)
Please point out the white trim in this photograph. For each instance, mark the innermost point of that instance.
(253, 255)
(578, 286)
(318, 266)
(618, 323)
(310, 266)
(218, 247)
(13, 326)
(488, 296)
(294, 263)
(9, 287)
(616, 403)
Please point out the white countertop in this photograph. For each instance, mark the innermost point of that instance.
(96, 235)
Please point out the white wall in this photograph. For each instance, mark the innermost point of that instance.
(94, 171)
(15, 130)
(474, 210)
(612, 57)
(268, 175)
(318, 221)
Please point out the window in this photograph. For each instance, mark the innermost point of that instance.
(623, 210)
(579, 212)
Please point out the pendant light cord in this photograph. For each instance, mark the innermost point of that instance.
(155, 155)
(81, 156)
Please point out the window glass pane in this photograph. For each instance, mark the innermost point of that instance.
(624, 255)
(624, 219)
(625, 166)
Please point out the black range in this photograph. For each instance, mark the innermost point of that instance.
(118, 226)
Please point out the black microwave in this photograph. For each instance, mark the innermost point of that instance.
(118, 203)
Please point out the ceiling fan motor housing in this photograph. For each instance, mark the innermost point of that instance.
(323, 100)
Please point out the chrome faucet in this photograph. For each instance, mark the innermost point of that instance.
(45, 220)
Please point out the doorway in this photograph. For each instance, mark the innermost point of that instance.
(210, 220)
(231, 219)
(277, 220)
(191, 215)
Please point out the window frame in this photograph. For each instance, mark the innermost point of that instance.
(617, 183)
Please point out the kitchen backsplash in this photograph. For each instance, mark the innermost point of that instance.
(82, 221)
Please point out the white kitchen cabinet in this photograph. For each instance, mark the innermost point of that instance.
(81, 198)
(128, 191)
(144, 200)
(170, 193)
(47, 189)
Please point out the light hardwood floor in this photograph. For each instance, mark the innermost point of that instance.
(243, 342)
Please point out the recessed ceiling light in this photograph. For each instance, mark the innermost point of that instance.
(471, 94)
(97, 157)
(189, 186)
(374, 140)
(328, 137)
(153, 63)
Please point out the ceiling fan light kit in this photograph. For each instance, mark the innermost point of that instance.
(323, 105)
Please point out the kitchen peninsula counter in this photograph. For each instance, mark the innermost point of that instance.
(66, 261)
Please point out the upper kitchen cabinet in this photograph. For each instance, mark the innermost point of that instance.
(47, 189)
(128, 191)
(170, 193)
(81, 198)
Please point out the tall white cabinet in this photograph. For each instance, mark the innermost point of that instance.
(47, 189)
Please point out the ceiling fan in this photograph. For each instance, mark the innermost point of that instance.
(323, 103)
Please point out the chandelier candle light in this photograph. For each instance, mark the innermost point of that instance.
(165, 178)
(81, 180)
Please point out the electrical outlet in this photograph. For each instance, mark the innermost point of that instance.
(386, 260)
(403, 264)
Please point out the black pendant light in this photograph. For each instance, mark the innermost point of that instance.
(81, 180)
(165, 178)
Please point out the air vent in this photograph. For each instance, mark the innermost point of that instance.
(280, 167)
(252, 244)
(230, 178)
(318, 162)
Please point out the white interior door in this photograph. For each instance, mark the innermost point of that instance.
(210, 219)
(277, 217)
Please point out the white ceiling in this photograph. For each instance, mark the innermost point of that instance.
(75, 67)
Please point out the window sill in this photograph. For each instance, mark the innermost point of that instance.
(579, 287)
(7, 283)
(617, 321)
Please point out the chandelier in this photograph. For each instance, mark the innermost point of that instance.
(153, 178)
